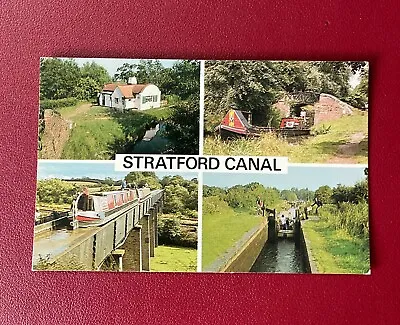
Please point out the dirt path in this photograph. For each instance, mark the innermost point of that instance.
(346, 152)
(57, 131)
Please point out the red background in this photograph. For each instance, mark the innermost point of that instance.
(281, 29)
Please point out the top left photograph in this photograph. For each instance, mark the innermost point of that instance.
(92, 109)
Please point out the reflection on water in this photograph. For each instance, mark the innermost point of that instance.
(153, 142)
(280, 257)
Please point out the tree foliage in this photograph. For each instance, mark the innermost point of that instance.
(55, 191)
(182, 79)
(182, 127)
(64, 78)
(254, 86)
(141, 179)
(324, 193)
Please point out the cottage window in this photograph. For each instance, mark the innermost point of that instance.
(116, 100)
(147, 99)
(154, 98)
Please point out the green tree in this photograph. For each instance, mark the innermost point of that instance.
(175, 198)
(182, 128)
(324, 193)
(95, 72)
(125, 71)
(247, 85)
(183, 79)
(359, 96)
(58, 78)
(143, 178)
(288, 195)
(55, 191)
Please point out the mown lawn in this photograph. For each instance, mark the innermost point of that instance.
(319, 148)
(334, 251)
(222, 229)
(174, 259)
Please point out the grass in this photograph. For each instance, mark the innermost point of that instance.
(70, 111)
(98, 131)
(320, 148)
(334, 251)
(92, 139)
(174, 259)
(222, 228)
(159, 113)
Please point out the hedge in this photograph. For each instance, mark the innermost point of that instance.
(58, 103)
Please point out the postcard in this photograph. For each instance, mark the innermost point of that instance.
(207, 166)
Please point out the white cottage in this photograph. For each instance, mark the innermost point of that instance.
(130, 96)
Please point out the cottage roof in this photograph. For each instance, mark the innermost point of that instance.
(129, 91)
(110, 87)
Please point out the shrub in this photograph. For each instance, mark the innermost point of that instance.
(171, 232)
(353, 218)
(57, 103)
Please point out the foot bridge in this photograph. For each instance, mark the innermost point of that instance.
(128, 237)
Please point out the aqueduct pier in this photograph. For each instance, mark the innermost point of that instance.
(130, 237)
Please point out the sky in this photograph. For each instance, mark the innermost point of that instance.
(93, 169)
(111, 65)
(300, 177)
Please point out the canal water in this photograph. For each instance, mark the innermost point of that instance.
(282, 256)
(156, 145)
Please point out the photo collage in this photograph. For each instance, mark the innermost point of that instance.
(311, 218)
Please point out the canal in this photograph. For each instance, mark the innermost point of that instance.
(154, 141)
(281, 256)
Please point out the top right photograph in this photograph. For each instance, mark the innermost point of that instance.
(308, 111)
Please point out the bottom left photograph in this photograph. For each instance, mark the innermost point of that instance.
(91, 218)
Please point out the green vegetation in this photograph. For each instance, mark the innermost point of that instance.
(254, 86)
(223, 227)
(320, 148)
(229, 213)
(55, 191)
(339, 238)
(92, 138)
(174, 259)
(58, 103)
(100, 133)
(335, 251)
(178, 224)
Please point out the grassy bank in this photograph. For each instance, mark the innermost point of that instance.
(335, 251)
(222, 228)
(174, 259)
(319, 148)
(98, 132)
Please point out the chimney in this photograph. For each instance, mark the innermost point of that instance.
(132, 81)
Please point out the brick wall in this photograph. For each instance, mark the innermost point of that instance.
(330, 108)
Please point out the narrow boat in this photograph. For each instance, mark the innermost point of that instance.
(96, 209)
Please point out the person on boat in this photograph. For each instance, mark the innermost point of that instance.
(283, 222)
(85, 201)
(123, 184)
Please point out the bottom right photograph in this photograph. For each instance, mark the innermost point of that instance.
(314, 219)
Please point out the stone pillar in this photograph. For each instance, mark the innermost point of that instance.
(132, 259)
(144, 222)
(151, 231)
(156, 224)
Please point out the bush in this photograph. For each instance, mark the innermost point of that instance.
(171, 232)
(57, 103)
(353, 218)
(55, 191)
